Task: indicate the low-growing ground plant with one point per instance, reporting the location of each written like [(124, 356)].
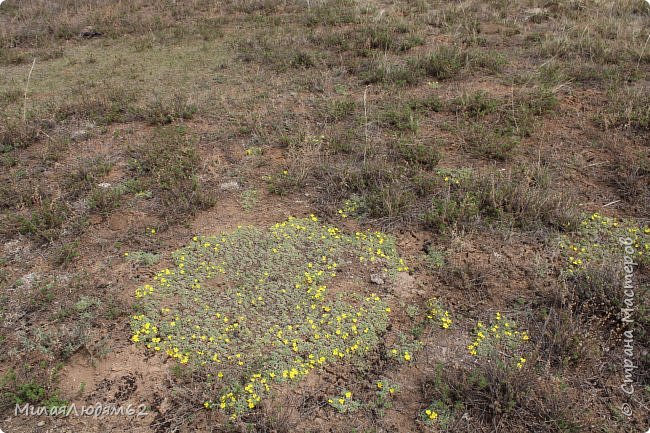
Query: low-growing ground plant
[(436, 414), (211, 311), (386, 391), (249, 198), (351, 207), (436, 313), (344, 403), (142, 257), (500, 341), (435, 259), (404, 349)]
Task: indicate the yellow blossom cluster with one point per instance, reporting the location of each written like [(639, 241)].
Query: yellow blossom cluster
[(436, 313), (253, 307), (437, 414), (350, 207), (377, 250), (499, 337), (386, 390), (432, 415), (598, 237), (344, 402), (254, 151)]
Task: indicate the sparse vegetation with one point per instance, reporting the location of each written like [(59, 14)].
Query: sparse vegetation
[(498, 147)]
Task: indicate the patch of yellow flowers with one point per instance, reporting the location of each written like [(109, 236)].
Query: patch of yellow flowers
[(501, 337), (598, 238), (350, 207), (436, 313), (344, 403), (252, 308), (432, 415)]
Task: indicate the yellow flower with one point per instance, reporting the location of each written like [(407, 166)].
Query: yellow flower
[(348, 394)]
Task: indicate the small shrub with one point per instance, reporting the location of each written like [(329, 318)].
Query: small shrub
[(45, 221), (475, 105), (16, 134), (17, 389), (380, 71), (168, 164), (249, 198), (283, 182), (340, 109), (401, 118), (67, 253), (302, 59), (444, 63), (389, 36), (333, 13), (100, 103), (344, 140), (86, 175), (389, 201), (163, 111), (539, 102), (425, 155), (485, 60), (523, 197), (428, 103), (105, 200), (490, 143)]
